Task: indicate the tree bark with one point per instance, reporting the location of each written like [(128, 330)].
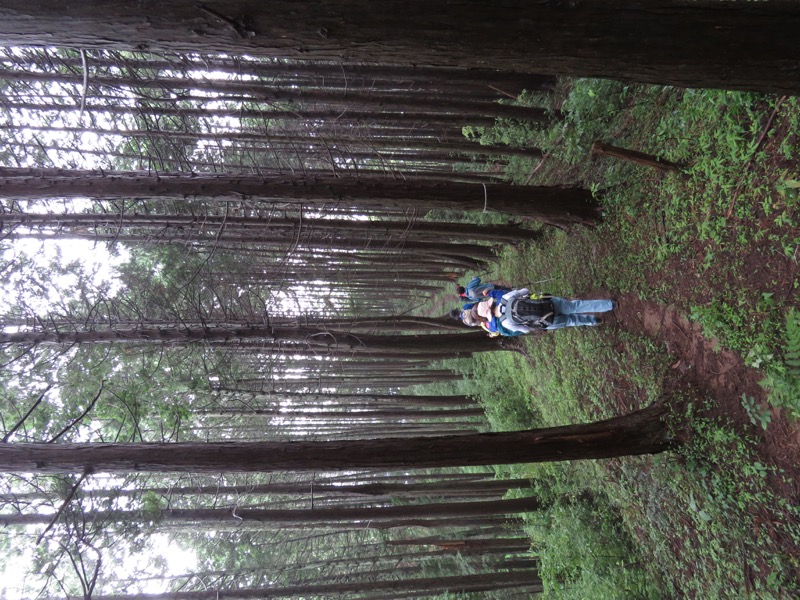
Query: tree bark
[(306, 488), (264, 91), (555, 204), (334, 342), (424, 515), (219, 225), (322, 73), (424, 587), (641, 432), (522, 544), (634, 156), (733, 45), (360, 139)]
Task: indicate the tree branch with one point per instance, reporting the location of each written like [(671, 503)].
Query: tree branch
[(27, 414), (82, 415), (63, 506)]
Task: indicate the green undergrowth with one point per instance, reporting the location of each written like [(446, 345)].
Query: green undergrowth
[(584, 553), (707, 520), (736, 205), (700, 522), (701, 239)]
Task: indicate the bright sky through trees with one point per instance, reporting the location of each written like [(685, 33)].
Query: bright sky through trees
[(325, 278), (62, 260)]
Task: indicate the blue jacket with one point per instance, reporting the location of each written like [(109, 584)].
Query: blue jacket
[(474, 289)]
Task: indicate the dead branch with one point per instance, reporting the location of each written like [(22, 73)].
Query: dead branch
[(27, 414), (759, 143), (639, 158), (63, 507), (82, 415)]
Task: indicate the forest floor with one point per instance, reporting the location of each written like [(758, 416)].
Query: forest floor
[(704, 266), (738, 475), (720, 374)]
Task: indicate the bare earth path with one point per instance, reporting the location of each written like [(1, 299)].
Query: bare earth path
[(721, 374)]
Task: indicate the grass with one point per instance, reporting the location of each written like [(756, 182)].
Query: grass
[(719, 241)]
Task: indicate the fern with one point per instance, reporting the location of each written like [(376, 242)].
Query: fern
[(792, 354), (783, 381)]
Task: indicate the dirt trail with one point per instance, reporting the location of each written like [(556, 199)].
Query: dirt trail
[(721, 374)]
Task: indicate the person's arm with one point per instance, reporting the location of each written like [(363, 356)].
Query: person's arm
[(495, 295), (515, 294), (514, 326)]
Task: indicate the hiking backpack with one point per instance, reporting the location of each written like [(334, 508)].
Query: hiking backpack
[(538, 312)]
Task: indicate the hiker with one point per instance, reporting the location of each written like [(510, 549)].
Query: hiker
[(468, 315), (520, 312), (476, 315), (475, 291), (464, 315), (484, 315)]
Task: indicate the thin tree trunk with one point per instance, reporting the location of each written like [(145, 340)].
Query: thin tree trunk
[(425, 515), (217, 225), (334, 342), (426, 587), (306, 488)]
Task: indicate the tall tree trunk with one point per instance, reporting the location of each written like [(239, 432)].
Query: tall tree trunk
[(425, 587), (555, 204), (449, 119), (408, 515), (218, 225), (641, 432), (335, 343), (376, 488), (402, 399), (345, 413), (323, 73), (733, 45)]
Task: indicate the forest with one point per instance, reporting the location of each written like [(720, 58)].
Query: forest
[(230, 240)]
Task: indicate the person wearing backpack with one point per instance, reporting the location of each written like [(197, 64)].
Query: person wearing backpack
[(472, 316), (475, 291), (521, 312)]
